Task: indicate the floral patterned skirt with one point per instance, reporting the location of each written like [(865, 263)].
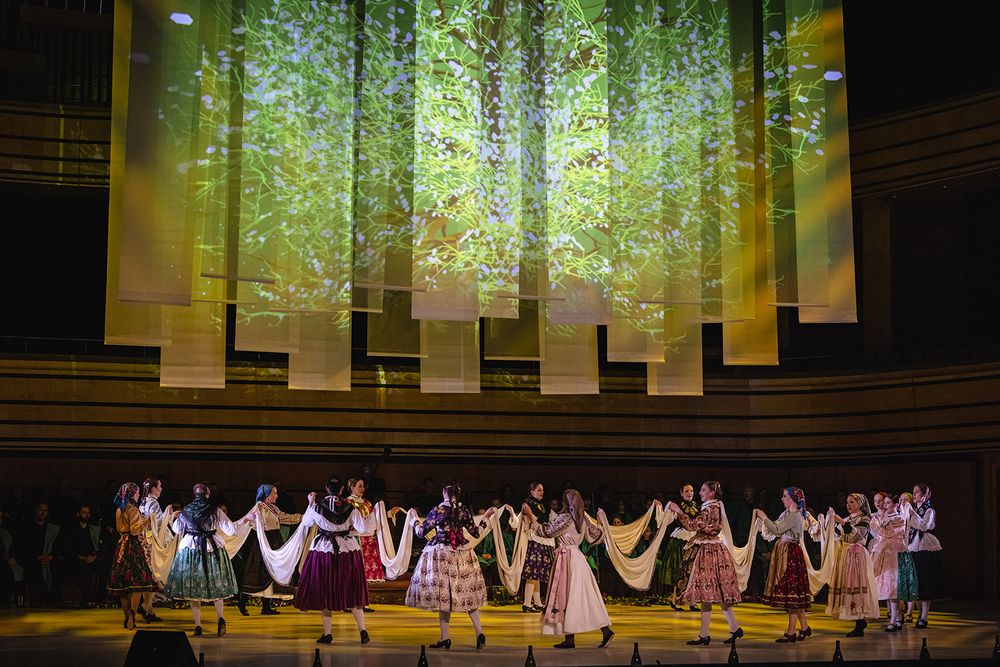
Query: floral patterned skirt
[(683, 575), (374, 571), (907, 587), (787, 584), (130, 572), (713, 576), (537, 563), (206, 576), (332, 583), (447, 579)]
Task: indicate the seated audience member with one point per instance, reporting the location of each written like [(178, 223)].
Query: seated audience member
[(86, 565), (35, 552)]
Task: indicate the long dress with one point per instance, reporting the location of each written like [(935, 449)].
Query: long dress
[(374, 570), (130, 571), (675, 568), (853, 592), (257, 580), (201, 569), (713, 572), (333, 576), (538, 559), (149, 507), (787, 585), (925, 549), (447, 576), (574, 602), (889, 542)]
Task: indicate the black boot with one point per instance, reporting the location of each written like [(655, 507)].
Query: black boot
[(266, 609), (859, 629), (241, 604)]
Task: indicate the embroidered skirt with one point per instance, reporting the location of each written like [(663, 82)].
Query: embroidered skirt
[(334, 584), (907, 587), (931, 580), (130, 571), (537, 562), (713, 576), (257, 579), (447, 579), (374, 572), (886, 567), (201, 576), (683, 575), (787, 584), (673, 556), (853, 596)]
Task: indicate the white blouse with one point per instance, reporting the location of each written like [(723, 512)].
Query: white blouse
[(220, 521), (355, 523), (921, 541)]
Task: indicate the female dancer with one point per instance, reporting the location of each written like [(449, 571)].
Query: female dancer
[(787, 584), (678, 557), (853, 593), (448, 577), (374, 571), (149, 507), (873, 535), (130, 575), (201, 571), (333, 576), (574, 603), (538, 560), (713, 572), (257, 580), (926, 550), (895, 577)]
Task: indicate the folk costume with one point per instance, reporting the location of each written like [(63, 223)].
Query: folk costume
[(787, 585), (537, 561), (853, 590), (924, 547), (257, 580), (679, 556), (130, 575), (333, 575), (574, 603), (374, 570)]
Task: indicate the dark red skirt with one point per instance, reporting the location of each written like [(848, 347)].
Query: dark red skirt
[(787, 584), (331, 584)]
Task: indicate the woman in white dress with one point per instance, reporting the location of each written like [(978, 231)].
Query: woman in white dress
[(853, 594), (574, 603), (149, 506)]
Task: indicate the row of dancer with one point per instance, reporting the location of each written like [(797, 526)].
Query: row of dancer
[(448, 577)]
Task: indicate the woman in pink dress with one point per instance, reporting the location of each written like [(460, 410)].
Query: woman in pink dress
[(713, 573)]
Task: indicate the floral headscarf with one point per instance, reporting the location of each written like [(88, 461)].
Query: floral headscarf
[(124, 496), (798, 497)]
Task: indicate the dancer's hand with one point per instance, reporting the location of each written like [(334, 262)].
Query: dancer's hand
[(839, 519), (312, 499), (672, 506), (490, 512), (658, 504), (395, 510), (527, 510)]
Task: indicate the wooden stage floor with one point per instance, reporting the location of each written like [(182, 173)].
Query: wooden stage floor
[(30, 637)]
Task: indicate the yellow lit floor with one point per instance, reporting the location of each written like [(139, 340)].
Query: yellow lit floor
[(95, 637)]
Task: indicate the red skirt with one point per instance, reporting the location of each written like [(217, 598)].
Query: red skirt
[(787, 584), (331, 584)]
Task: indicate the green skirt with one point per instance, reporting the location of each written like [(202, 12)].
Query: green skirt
[(194, 577), (673, 554), (906, 584)]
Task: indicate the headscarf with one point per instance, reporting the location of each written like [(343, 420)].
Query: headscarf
[(198, 511), (862, 502), (798, 497), (124, 496), (573, 503), (263, 491)]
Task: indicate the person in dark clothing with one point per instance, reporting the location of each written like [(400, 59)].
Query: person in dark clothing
[(374, 486), (35, 549), (62, 505), (284, 501), (7, 563), (81, 544)]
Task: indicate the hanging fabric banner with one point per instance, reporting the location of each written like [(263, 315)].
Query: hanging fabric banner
[(570, 364), (323, 360), (449, 357)]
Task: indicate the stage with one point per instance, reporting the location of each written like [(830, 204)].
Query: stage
[(96, 638)]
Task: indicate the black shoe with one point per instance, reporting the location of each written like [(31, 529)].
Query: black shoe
[(197, 631), (325, 639), (608, 636), (890, 628), (152, 618), (538, 610), (444, 643), (145, 616), (694, 607), (526, 609), (222, 627), (364, 637), (700, 641), (675, 607), (367, 610), (269, 611), (480, 641), (733, 636), (859, 629), (922, 623), (241, 604), (565, 644)]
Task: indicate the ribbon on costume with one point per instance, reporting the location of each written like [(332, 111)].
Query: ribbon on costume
[(555, 603)]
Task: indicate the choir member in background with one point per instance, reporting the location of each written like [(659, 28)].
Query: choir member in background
[(447, 577), (713, 572)]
